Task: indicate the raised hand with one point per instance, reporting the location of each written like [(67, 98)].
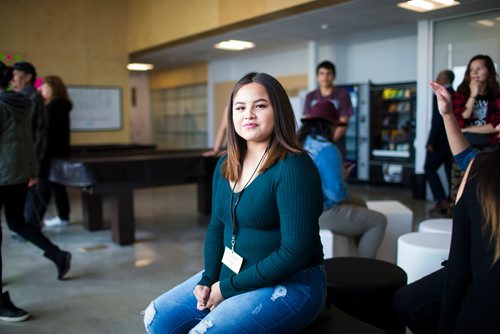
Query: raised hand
[(443, 98), (456, 139)]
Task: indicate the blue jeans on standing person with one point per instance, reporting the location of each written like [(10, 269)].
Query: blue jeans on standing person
[(283, 308)]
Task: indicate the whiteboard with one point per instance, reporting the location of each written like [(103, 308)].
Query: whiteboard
[(95, 108)]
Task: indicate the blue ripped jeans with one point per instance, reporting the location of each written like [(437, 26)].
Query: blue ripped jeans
[(284, 308)]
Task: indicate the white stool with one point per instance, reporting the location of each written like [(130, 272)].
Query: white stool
[(335, 245), (399, 222), (327, 241), (440, 225), (421, 253)]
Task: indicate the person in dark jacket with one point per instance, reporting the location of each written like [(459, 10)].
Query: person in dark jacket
[(18, 170), (438, 151), (23, 81), (57, 108)]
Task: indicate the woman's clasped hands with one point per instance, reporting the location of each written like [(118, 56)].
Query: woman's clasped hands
[(208, 298)]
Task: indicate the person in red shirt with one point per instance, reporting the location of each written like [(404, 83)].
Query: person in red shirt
[(339, 97), (476, 108), (476, 102)]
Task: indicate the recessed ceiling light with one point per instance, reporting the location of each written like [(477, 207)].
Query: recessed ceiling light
[(234, 45), (427, 5), (445, 2), (139, 67)]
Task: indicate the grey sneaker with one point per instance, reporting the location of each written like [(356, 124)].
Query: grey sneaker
[(9, 312)]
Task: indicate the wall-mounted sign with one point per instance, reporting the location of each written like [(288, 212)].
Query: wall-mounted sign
[(96, 108)]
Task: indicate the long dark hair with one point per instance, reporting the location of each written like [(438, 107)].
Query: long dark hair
[(283, 140), (315, 127), (492, 85), (488, 174), (59, 90)]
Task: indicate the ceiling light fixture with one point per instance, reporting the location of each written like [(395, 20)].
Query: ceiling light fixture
[(445, 2), (427, 5), (139, 67), (234, 45)]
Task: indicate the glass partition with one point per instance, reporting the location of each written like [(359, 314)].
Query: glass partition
[(457, 40), (180, 117)]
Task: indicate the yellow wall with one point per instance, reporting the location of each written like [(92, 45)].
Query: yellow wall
[(158, 22), (88, 42), (181, 76), (83, 41)]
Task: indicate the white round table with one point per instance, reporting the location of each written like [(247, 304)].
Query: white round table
[(421, 253), (440, 225)]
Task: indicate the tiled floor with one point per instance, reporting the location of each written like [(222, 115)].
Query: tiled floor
[(109, 285)]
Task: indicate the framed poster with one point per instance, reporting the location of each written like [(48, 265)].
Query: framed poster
[(95, 108)]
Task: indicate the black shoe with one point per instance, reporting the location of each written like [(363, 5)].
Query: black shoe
[(9, 312), (62, 260), (63, 264), (441, 209)]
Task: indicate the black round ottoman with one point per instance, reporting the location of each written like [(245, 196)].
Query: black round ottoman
[(332, 320), (364, 288)]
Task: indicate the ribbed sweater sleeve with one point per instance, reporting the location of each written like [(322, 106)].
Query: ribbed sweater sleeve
[(296, 188)]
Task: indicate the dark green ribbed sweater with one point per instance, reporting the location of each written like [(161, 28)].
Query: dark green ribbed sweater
[(278, 231)]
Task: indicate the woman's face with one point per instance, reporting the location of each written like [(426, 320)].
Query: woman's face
[(46, 91), (478, 71), (253, 115)]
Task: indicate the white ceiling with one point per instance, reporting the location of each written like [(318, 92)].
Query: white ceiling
[(342, 20)]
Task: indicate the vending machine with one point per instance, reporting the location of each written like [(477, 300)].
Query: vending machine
[(351, 135), (356, 137), (392, 127)]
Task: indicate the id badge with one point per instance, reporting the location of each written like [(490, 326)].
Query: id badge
[(232, 260)]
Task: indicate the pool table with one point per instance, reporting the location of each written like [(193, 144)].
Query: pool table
[(115, 175)]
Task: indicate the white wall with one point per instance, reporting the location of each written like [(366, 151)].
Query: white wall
[(279, 62), (391, 60), (382, 55)]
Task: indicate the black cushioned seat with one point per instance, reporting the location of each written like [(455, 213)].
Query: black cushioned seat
[(364, 288), (335, 321)]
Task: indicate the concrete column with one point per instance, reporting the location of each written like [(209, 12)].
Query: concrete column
[(312, 61), (424, 94)]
